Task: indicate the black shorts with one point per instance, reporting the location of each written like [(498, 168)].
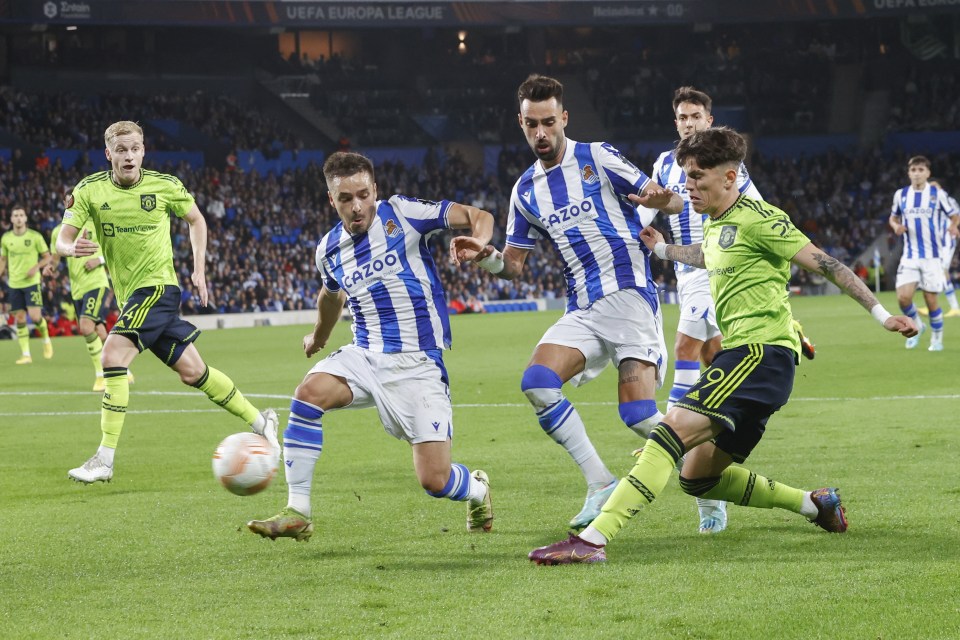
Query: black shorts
[(740, 391), (91, 305), (151, 320), (26, 297)]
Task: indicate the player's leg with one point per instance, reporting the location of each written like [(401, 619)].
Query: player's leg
[(36, 314), (442, 478), (936, 320), (908, 276), (950, 292), (23, 335), (686, 370), (90, 317), (318, 393)]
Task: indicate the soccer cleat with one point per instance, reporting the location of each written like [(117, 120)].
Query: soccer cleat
[(831, 515), (99, 384), (915, 340), (935, 346), (953, 313), (27, 359), (923, 311), (807, 348), (573, 550), (713, 515), (480, 514), (289, 523), (47, 349), (592, 506), (93, 470), (270, 425)]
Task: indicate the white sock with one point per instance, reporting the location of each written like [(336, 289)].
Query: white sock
[(572, 436), (259, 423), (683, 379), (106, 454), (298, 467), (593, 536), (807, 508)]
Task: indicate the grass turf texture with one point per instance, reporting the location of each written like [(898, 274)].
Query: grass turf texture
[(162, 551)]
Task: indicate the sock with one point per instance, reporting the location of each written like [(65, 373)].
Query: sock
[(458, 487), (302, 445), (113, 410), (643, 484), (106, 454), (221, 390), (745, 488), (685, 374), (23, 337), (951, 294), (911, 312), (44, 331), (641, 416), (936, 325), (94, 347), (560, 421)]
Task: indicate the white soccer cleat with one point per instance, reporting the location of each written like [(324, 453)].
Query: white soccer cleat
[(592, 506), (271, 425), (935, 346), (713, 515), (93, 470), (915, 340)]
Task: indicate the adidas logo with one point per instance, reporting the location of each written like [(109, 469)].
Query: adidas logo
[(694, 395), (105, 207)]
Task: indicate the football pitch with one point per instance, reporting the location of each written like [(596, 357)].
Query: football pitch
[(161, 552)]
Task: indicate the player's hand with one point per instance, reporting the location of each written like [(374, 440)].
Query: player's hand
[(32, 271), (954, 231), (84, 246), (899, 229), (653, 197), (49, 271), (200, 282), (311, 345), (468, 249), (91, 264), (902, 325), (651, 237)]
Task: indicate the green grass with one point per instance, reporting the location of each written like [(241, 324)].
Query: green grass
[(161, 551)]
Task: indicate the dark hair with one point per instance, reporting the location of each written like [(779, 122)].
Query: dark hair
[(537, 88), (693, 96), (343, 164), (18, 205), (712, 147), (918, 160)]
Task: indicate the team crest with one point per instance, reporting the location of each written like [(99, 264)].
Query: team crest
[(589, 175), (728, 235), (26, 242), (108, 230), (392, 229), (148, 202)]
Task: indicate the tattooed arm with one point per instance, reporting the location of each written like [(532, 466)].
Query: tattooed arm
[(815, 259), (687, 254)]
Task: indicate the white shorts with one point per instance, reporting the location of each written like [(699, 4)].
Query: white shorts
[(618, 326), (926, 273), (698, 315), (406, 388), (947, 257)]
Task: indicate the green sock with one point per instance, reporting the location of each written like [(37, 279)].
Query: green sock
[(747, 489), (641, 487), (42, 325), (94, 347), (221, 390), (116, 397), (23, 337)]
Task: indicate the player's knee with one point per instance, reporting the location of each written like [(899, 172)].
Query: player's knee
[(190, 373), (87, 327), (698, 486), (541, 385), (640, 415)]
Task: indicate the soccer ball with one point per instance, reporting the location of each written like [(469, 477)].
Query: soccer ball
[(244, 463)]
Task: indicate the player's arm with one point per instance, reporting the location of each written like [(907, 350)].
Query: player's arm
[(657, 197), (506, 264), (480, 222), (3, 265), (72, 244), (895, 223), (329, 308), (952, 229), (198, 241), (812, 258), (691, 254), (45, 260)]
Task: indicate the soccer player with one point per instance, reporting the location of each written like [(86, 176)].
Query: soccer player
[(576, 195), (377, 260), (922, 214), (946, 258), (747, 247), (88, 288), (130, 208), (23, 254)]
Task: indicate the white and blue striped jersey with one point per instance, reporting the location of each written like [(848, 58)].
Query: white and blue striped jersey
[(687, 226), (949, 242), (391, 281), (924, 213), (581, 206)]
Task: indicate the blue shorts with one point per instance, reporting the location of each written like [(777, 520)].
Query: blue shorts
[(740, 391), (151, 320), (91, 306), (26, 297)]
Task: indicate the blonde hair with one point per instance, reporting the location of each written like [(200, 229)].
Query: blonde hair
[(122, 128)]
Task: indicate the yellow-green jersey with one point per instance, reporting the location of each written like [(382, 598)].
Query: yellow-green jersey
[(747, 252), (22, 252), (82, 280), (132, 226)]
